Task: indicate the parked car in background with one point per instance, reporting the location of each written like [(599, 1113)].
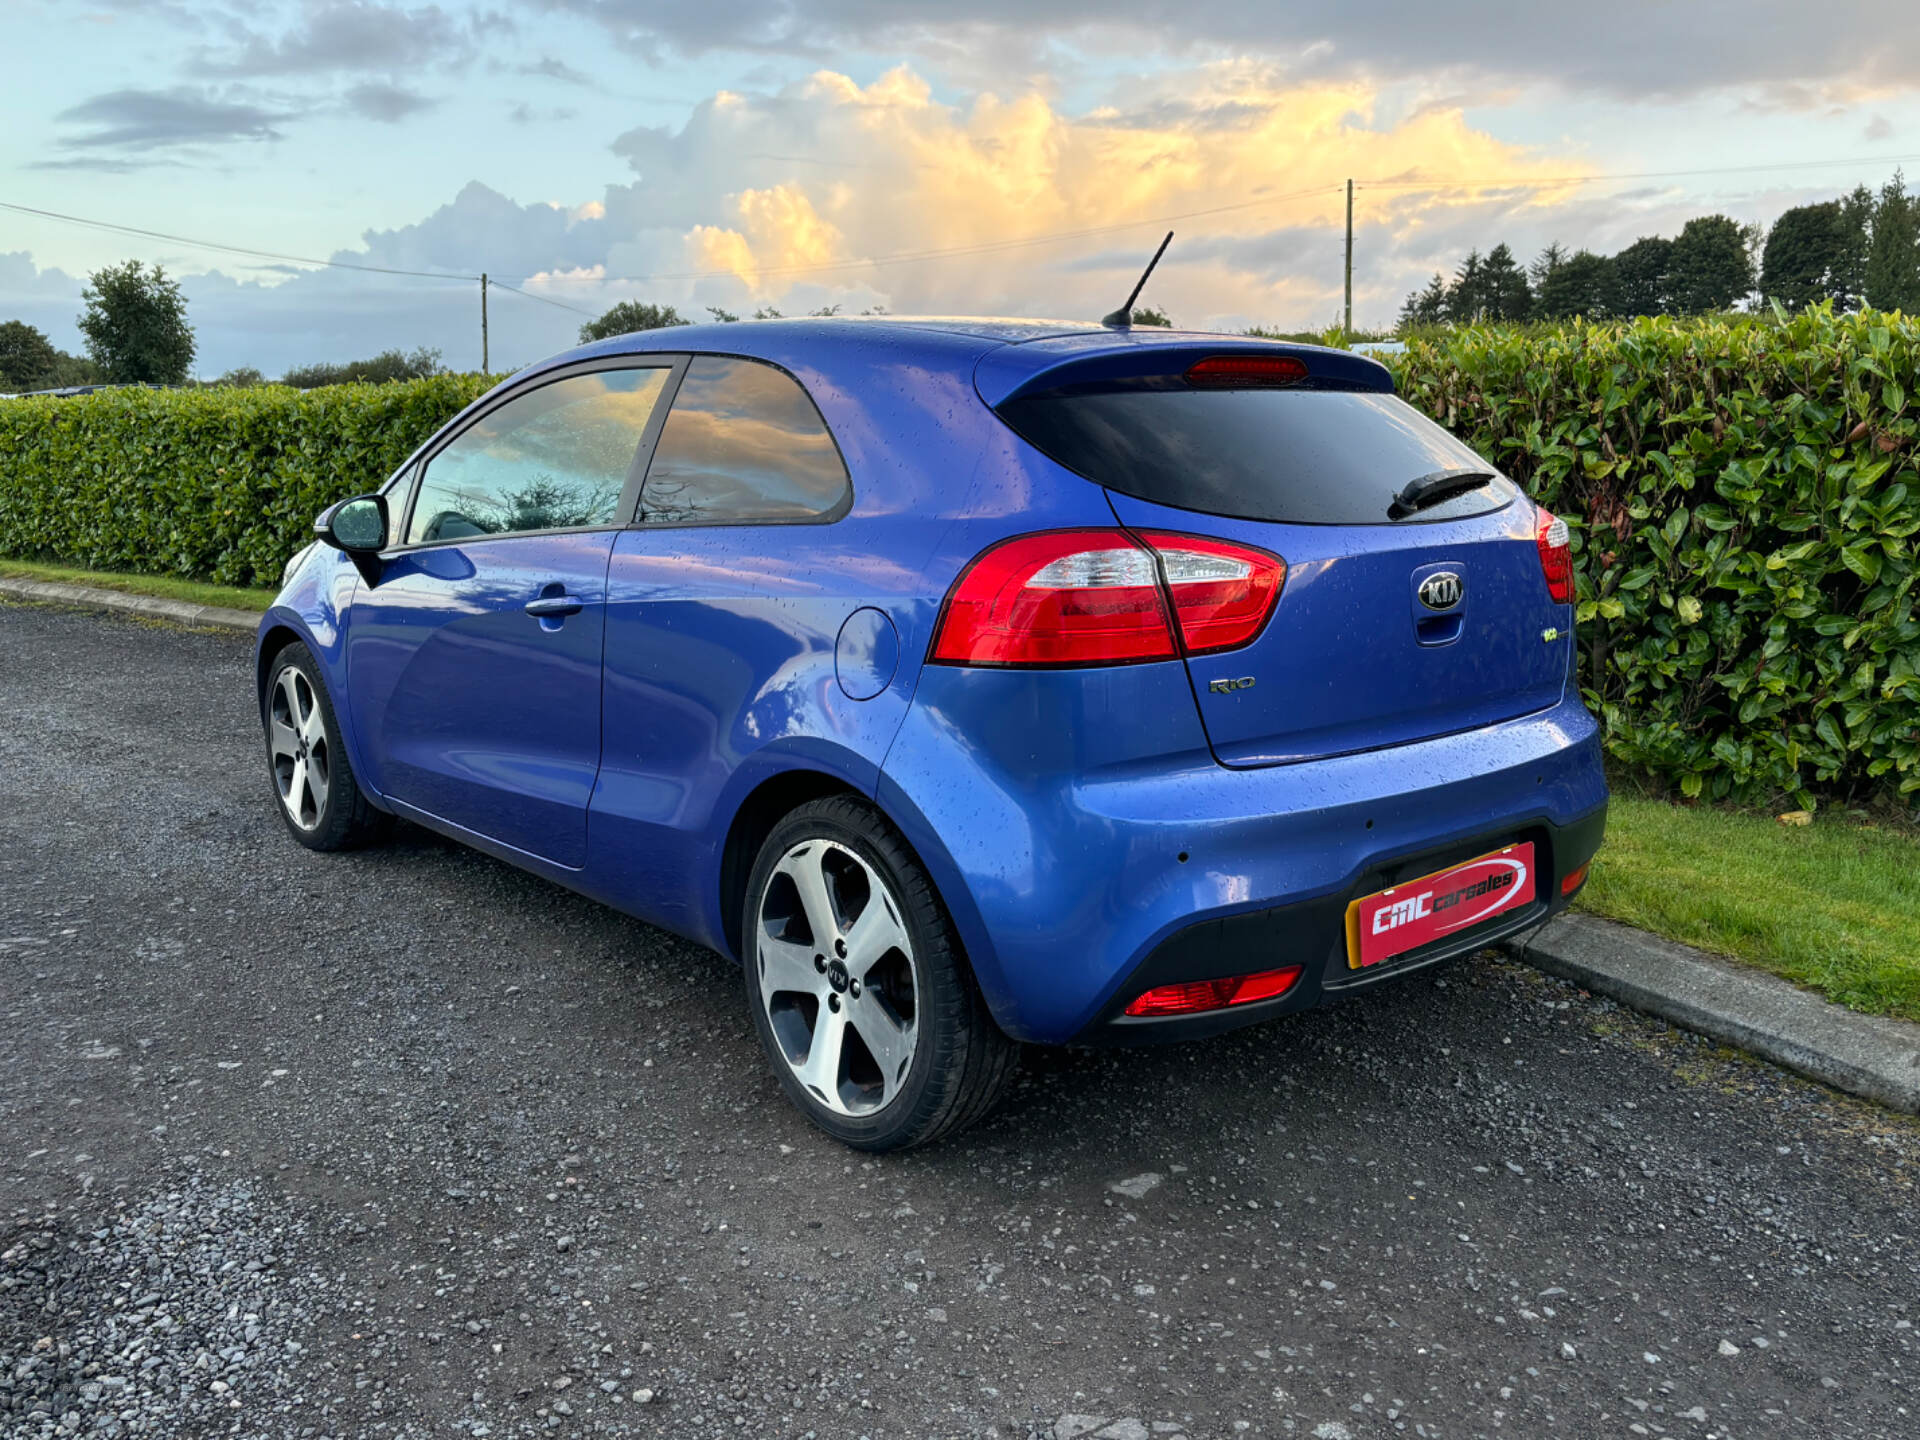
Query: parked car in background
[(970, 683)]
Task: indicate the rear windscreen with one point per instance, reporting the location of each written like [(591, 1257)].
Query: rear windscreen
[(1307, 457)]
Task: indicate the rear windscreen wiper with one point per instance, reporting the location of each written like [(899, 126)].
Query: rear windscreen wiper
[(1419, 493)]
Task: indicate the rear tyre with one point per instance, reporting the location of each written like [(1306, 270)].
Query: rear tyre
[(313, 782), (859, 987)]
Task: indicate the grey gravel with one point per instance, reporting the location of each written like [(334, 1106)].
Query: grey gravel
[(407, 1075), (174, 1312)]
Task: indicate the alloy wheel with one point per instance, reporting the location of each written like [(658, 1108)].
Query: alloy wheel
[(836, 976), (301, 750)]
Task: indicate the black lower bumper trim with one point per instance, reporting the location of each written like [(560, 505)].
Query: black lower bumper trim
[(1312, 934)]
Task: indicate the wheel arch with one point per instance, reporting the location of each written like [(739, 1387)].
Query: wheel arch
[(764, 807), (778, 796), (285, 625), (275, 638)]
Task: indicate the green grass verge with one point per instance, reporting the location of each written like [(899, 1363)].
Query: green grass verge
[(1833, 906), (192, 592)]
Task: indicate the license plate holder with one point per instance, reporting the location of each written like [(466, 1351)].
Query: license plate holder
[(1404, 917)]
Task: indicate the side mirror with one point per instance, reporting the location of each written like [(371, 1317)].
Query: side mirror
[(357, 526)]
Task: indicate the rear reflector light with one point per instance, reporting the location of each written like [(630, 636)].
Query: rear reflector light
[(1573, 880), (1556, 556), (1239, 371), (1197, 995), (1095, 597)]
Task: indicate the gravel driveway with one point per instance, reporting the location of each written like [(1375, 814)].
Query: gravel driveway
[(410, 1143)]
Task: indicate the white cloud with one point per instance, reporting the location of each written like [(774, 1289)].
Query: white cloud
[(833, 192)]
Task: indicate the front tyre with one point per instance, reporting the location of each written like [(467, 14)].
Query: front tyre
[(858, 985), (313, 781)]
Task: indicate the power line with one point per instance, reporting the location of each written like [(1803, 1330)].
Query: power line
[(231, 249), (898, 258), (543, 299), (996, 246), (960, 251)]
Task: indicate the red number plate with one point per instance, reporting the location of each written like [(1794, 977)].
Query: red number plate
[(1392, 922)]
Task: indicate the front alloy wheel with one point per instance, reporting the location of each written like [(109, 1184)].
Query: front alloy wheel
[(859, 987), (322, 803), (301, 748)]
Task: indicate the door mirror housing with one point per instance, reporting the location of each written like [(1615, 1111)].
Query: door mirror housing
[(358, 529), (357, 526)]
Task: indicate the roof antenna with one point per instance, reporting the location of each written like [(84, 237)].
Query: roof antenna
[(1122, 319)]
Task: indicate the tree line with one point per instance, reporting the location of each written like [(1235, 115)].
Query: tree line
[(135, 326), (136, 332), (1861, 250)]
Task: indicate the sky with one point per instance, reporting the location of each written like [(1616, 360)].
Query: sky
[(1002, 157)]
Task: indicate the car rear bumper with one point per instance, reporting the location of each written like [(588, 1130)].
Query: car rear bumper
[(1084, 863), (1312, 934)]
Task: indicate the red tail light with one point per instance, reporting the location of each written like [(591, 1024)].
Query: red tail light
[(1222, 593), (1068, 597), (1573, 880), (1556, 556), (1197, 995), (1095, 597)]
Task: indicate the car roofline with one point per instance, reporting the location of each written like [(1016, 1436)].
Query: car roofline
[(1010, 354)]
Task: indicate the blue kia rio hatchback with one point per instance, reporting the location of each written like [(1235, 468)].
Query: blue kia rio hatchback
[(970, 683)]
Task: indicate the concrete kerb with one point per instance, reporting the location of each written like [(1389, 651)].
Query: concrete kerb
[(1877, 1059), (152, 607)]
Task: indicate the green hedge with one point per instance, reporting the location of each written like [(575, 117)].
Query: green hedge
[(1742, 495), (1743, 501), (217, 484)]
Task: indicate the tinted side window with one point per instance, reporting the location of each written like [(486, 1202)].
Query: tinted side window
[(1315, 457), (742, 442), (553, 458)]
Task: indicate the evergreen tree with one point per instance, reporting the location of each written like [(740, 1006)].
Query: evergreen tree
[(1712, 266), (1545, 263), (1578, 285), (1892, 277), (1504, 285), (1856, 226), (1805, 259), (1642, 280), (1466, 296), (1425, 307)]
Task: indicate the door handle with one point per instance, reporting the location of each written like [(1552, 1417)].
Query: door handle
[(553, 606)]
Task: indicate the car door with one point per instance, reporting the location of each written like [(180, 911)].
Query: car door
[(474, 658), (726, 604)]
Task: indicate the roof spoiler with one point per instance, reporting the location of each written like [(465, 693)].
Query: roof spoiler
[(1117, 357)]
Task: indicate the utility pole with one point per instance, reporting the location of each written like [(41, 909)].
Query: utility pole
[(1346, 329), (483, 285)]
